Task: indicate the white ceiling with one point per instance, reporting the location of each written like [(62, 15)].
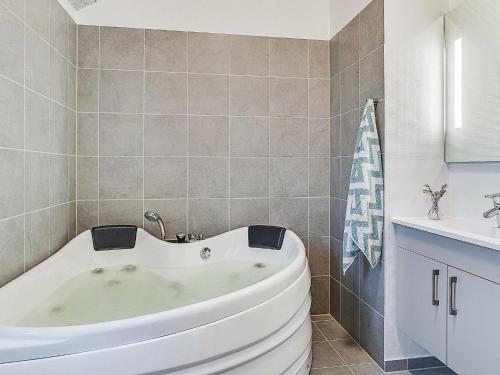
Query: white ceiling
[(79, 4)]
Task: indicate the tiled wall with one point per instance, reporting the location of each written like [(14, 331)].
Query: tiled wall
[(37, 133), (212, 131), (357, 73)]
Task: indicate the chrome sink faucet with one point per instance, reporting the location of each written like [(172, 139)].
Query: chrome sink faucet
[(495, 211)]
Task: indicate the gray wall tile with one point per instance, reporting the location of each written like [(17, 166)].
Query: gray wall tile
[(87, 175), (319, 98), (58, 191), (72, 87), (345, 175), (349, 44), (59, 129), (208, 177), (121, 91), (37, 72), (320, 291), (87, 92), (289, 57), (335, 219), (58, 227), (12, 183), (335, 142), (208, 216), (335, 258), (12, 46), (37, 122), (334, 55), (319, 58), (166, 93), (37, 238), (16, 6), (289, 177), (335, 293), (335, 95), (371, 76), (88, 46), (349, 313), (166, 51), (120, 135), (120, 178), (59, 28), (288, 97), (319, 177), (121, 212), (372, 333), (87, 134), (349, 125), (38, 16), (319, 137), (290, 213), (11, 249), (122, 48), (349, 87), (73, 42), (371, 27), (165, 178), (319, 255), (249, 55), (244, 212), (372, 285), (208, 53), (165, 135), (59, 74), (249, 96), (208, 94), (208, 136), (37, 181), (249, 177), (87, 218), (319, 216), (12, 110), (288, 137), (249, 136)]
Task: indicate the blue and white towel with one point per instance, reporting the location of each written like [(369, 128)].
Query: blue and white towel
[(364, 219)]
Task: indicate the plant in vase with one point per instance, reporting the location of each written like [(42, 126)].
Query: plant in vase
[(434, 212)]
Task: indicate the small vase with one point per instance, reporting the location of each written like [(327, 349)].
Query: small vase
[(434, 212)]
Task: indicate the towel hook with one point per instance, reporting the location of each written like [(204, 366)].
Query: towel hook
[(375, 101)]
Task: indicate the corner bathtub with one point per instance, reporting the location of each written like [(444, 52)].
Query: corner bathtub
[(241, 311)]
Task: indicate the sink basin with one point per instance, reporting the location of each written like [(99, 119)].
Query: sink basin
[(480, 233)]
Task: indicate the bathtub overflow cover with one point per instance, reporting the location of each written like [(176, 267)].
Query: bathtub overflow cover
[(205, 253)]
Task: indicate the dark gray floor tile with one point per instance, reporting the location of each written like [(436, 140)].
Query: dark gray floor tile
[(325, 356), (369, 369), (344, 370), (332, 330), (351, 352)]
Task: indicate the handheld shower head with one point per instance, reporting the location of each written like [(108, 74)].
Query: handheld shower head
[(154, 217)]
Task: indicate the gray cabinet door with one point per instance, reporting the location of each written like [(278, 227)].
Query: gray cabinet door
[(422, 302), (474, 332)]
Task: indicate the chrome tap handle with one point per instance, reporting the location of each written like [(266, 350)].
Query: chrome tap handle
[(494, 197), (181, 237), (190, 237)]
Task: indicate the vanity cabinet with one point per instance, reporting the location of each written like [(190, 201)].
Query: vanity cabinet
[(448, 300), (422, 301), (474, 331)]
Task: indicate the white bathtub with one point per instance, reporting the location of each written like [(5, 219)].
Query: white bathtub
[(262, 328)]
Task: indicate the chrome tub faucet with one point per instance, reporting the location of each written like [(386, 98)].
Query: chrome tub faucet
[(495, 211), (154, 217)]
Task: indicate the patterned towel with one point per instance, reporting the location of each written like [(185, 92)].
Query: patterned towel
[(364, 219)]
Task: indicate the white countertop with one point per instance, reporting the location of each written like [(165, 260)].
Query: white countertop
[(474, 232)]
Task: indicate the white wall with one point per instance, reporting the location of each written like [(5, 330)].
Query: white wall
[(414, 132), (280, 18), (343, 11)]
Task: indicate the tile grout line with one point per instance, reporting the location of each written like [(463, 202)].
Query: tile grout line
[(143, 127), (187, 134), (99, 128)]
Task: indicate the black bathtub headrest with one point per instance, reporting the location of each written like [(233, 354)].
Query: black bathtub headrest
[(266, 236), (114, 237)]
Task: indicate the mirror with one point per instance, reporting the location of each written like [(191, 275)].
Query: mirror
[(472, 35)]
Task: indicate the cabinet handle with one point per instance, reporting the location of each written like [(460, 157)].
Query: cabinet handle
[(453, 296), (435, 277)]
